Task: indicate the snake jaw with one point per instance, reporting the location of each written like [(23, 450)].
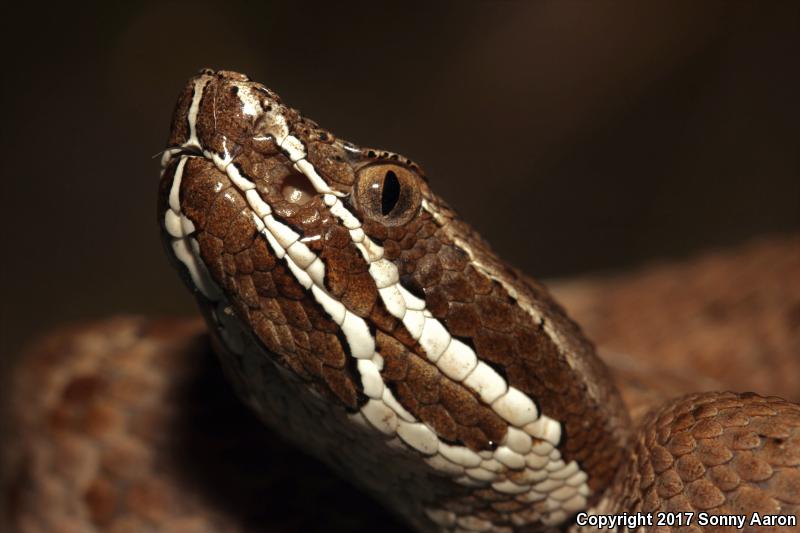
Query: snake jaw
[(347, 294)]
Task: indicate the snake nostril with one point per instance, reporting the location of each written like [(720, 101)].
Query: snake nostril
[(296, 188)]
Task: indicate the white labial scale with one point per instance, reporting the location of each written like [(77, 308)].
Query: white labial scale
[(574, 504), (460, 455), (481, 474), (577, 479), (508, 487), (516, 407), (545, 428), (457, 361), (434, 339), (384, 273), (492, 465), (371, 380), (316, 270), (486, 382), (414, 321), (418, 436), (300, 275), (393, 301), (563, 493), (536, 462), (380, 416), (509, 457), (542, 448), (359, 338), (547, 486), (442, 465), (518, 440)]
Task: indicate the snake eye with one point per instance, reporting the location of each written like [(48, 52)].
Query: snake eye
[(388, 193)]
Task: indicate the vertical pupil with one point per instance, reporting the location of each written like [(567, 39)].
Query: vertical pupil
[(390, 193)]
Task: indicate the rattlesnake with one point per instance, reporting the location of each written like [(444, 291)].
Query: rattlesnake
[(363, 321)]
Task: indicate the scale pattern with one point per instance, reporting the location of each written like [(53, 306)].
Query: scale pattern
[(719, 453)]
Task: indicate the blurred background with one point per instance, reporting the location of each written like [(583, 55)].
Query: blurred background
[(576, 136)]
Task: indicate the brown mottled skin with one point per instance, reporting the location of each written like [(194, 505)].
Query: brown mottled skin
[(675, 459)]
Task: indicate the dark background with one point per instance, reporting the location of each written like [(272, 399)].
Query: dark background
[(576, 136)]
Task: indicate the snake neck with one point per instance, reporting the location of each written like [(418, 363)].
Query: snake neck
[(352, 305)]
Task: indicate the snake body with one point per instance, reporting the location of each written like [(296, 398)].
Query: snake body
[(361, 319)]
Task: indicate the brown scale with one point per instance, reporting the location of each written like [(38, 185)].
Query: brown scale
[(721, 453)]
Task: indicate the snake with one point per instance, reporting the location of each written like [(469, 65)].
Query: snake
[(351, 304), (362, 320)]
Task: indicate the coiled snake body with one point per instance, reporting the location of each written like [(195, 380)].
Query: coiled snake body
[(363, 320)]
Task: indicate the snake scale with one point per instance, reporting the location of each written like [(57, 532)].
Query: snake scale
[(366, 323)]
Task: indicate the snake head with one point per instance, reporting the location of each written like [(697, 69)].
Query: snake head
[(348, 297)]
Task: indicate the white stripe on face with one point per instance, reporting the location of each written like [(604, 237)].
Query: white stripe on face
[(545, 475)]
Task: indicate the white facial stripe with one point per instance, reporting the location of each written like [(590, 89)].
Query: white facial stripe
[(545, 475)]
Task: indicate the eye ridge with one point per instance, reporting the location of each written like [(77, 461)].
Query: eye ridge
[(390, 192)]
